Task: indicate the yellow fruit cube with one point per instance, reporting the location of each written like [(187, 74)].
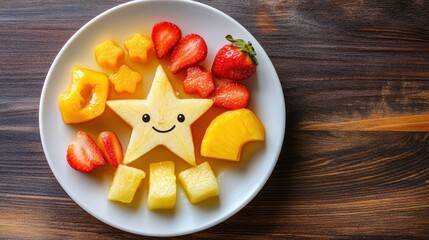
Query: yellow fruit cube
[(162, 186), (199, 183), (138, 47), (125, 183), (125, 80), (109, 55), (229, 132)]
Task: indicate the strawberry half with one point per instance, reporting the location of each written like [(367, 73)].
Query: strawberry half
[(232, 95), (236, 61), (83, 154), (191, 50), (199, 81), (165, 35), (111, 148)]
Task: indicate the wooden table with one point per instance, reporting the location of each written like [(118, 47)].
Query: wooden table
[(355, 162)]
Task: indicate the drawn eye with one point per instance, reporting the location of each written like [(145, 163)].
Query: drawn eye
[(180, 118), (146, 118)]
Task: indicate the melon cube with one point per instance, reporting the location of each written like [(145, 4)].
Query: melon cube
[(125, 183), (199, 183), (162, 186)]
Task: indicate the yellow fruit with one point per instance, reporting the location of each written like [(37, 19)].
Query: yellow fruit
[(228, 132), (125, 80), (125, 183), (161, 119), (199, 183), (109, 55), (138, 47), (162, 186), (86, 97)]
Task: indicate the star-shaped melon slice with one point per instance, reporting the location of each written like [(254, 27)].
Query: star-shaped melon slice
[(161, 119)]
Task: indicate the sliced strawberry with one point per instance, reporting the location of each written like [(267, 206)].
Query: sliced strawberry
[(191, 50), (111, 148), (165, 35), (198, 80), (195, 70), (83, 154), (231, 95)]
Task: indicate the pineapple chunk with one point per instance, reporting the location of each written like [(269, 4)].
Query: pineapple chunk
[(125, 183), (229, 132), (162, 186), (199, 183)]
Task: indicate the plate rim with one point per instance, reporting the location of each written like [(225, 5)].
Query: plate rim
[(213, 221)]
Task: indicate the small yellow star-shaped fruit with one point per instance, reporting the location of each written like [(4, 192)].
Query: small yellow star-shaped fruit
[(109, 55), (138, 47), (125, 80), (161, 119)]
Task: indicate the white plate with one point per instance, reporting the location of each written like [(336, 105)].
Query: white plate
[(238, 185)]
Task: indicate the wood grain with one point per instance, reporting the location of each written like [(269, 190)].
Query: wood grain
[(342, 64), (412, 123)]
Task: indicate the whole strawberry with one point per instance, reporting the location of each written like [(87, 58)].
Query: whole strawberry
[(235, 61)]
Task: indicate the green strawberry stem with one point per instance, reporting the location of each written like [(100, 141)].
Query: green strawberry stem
[(244, 47)]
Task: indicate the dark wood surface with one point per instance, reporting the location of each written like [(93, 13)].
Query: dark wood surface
[(355, 162)]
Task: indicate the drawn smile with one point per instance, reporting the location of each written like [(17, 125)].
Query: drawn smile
[(164, 131)]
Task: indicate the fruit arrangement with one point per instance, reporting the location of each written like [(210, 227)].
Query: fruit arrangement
[(163, 118)]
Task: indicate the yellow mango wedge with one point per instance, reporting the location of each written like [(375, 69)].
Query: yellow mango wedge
[(229, 132)]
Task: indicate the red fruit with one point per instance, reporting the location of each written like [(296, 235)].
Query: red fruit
[(236, 61), (165, 35), (191, 50), (231, 96), (111, 148), (198, 80), (83, 154)]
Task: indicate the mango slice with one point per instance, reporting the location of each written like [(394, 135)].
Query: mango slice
[(229, 132), (86, 97)]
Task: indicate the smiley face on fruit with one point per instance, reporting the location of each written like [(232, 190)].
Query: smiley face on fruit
[(161, 119), (146, 119)]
